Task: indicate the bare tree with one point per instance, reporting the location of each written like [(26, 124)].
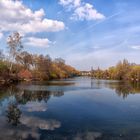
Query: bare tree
[(25, 59), (14, 46)]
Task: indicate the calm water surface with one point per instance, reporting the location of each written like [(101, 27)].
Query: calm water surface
[(72, 109)]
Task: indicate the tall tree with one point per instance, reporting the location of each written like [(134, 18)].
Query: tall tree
[(15, 46), (25, 59)]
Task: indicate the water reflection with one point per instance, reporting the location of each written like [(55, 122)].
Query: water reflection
[(26, 96), (34, 106), (35, 123), (87, 136), (79, 113), (28, 129), (16, 120), (13, 114), (122, 89)]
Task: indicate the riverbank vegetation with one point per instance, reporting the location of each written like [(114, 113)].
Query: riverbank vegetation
[(22, 65), (124, 70)]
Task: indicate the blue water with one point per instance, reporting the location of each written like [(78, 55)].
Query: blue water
[(71, 109)]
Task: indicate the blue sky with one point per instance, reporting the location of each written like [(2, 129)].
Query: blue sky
[(84, 32)]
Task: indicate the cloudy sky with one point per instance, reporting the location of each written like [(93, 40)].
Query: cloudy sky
[(84, 32)]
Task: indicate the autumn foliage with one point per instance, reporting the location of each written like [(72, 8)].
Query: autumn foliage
[(22, 65), (122, 71)]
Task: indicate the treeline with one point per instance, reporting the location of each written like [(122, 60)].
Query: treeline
[(122, 71), (22, 65)]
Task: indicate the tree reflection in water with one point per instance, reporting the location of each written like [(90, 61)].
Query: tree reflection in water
[(13, 114), (26, 96), (23, 97), (121, 88), (22, 125), (124, 89), (28, 107)]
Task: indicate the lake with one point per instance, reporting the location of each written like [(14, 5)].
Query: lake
[(72, 109)]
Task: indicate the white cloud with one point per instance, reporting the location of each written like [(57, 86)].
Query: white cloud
[(102, 58), (82, 10), (35, 106), (136, 47), (13, 133), (14, 16), (37, 42), (65, 2), (1, 35), (34, 122), (28, 128), (87, 136), (71, 3), (77, 2), (87, 12)]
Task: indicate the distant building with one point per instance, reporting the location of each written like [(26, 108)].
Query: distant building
[(85, 73)]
